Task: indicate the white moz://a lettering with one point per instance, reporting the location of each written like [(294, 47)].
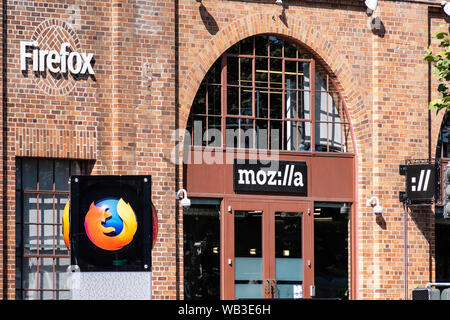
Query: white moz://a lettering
[(57, 62), (288, 177)]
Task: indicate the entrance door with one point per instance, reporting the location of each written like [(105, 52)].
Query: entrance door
[(267, 250)]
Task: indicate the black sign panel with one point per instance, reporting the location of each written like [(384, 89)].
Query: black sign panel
[(420, 182), (111, 223), (276, 176)]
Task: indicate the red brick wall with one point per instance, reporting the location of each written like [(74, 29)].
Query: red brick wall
[(125, 121)]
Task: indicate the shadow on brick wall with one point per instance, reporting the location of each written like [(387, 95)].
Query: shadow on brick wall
[(423, 217), (208, 20)]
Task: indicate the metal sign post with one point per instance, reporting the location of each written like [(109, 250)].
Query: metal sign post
[(423, 187)]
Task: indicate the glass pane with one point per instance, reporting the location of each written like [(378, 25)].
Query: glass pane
[(232, 132), (335, 137), (29, 176), (262, 133), (233, 100), (214, 100), (61, 278), (246, 102), (201, 231), (276, 47), (275, 135), (232, 70), (261, 103), (321, 106), (304, 78), (331, 236), (199, 131), (261, 45), (304, 136), (214, 73), (46, 275), (247, 133), (288, 253), (30, 232), (29, 275), (247, 46), (233, 49), (334, 107), (45, 174), (291, 104), (214, 131), (321, 80), (246, 71), (261, 72), (62, 175), (276, 103), (30, 207), (304, 110), (290, 51), (290, 74), (248, 254), (46, 208), (199, 104), (321, 136), (45, 239), (276, 73)]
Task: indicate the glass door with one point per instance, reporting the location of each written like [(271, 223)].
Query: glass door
[(291, 261), (267, 250)]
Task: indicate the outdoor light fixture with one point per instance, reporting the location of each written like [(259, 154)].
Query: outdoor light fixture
[(446, 6), (185, 202), (377, 209), (371, 4)]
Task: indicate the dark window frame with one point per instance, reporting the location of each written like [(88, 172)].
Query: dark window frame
[(40, 253)]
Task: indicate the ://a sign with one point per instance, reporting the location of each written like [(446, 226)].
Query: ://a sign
[(275, 177), (420, 182)]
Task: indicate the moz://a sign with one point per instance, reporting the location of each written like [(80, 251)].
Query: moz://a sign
[(420, 182), (61, 61), (277, 176)]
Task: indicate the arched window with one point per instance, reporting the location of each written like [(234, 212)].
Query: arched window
[(267, 93)]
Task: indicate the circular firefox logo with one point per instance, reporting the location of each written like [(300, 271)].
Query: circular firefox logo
[(110, 224)]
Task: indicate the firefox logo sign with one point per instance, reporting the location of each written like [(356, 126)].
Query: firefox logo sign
[(110, 224)]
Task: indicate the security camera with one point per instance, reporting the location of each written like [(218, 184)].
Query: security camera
[(374, 202), (378, 210), (185, 202)]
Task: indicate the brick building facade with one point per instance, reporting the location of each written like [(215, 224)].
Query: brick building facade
[(150, 59)]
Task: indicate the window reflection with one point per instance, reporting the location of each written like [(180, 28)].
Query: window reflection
[(331, 250), (201, 230)]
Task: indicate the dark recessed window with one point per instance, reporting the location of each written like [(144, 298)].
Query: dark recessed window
[(42, 191)]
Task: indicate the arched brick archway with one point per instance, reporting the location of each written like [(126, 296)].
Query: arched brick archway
[(298, 31), (323, 50)]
